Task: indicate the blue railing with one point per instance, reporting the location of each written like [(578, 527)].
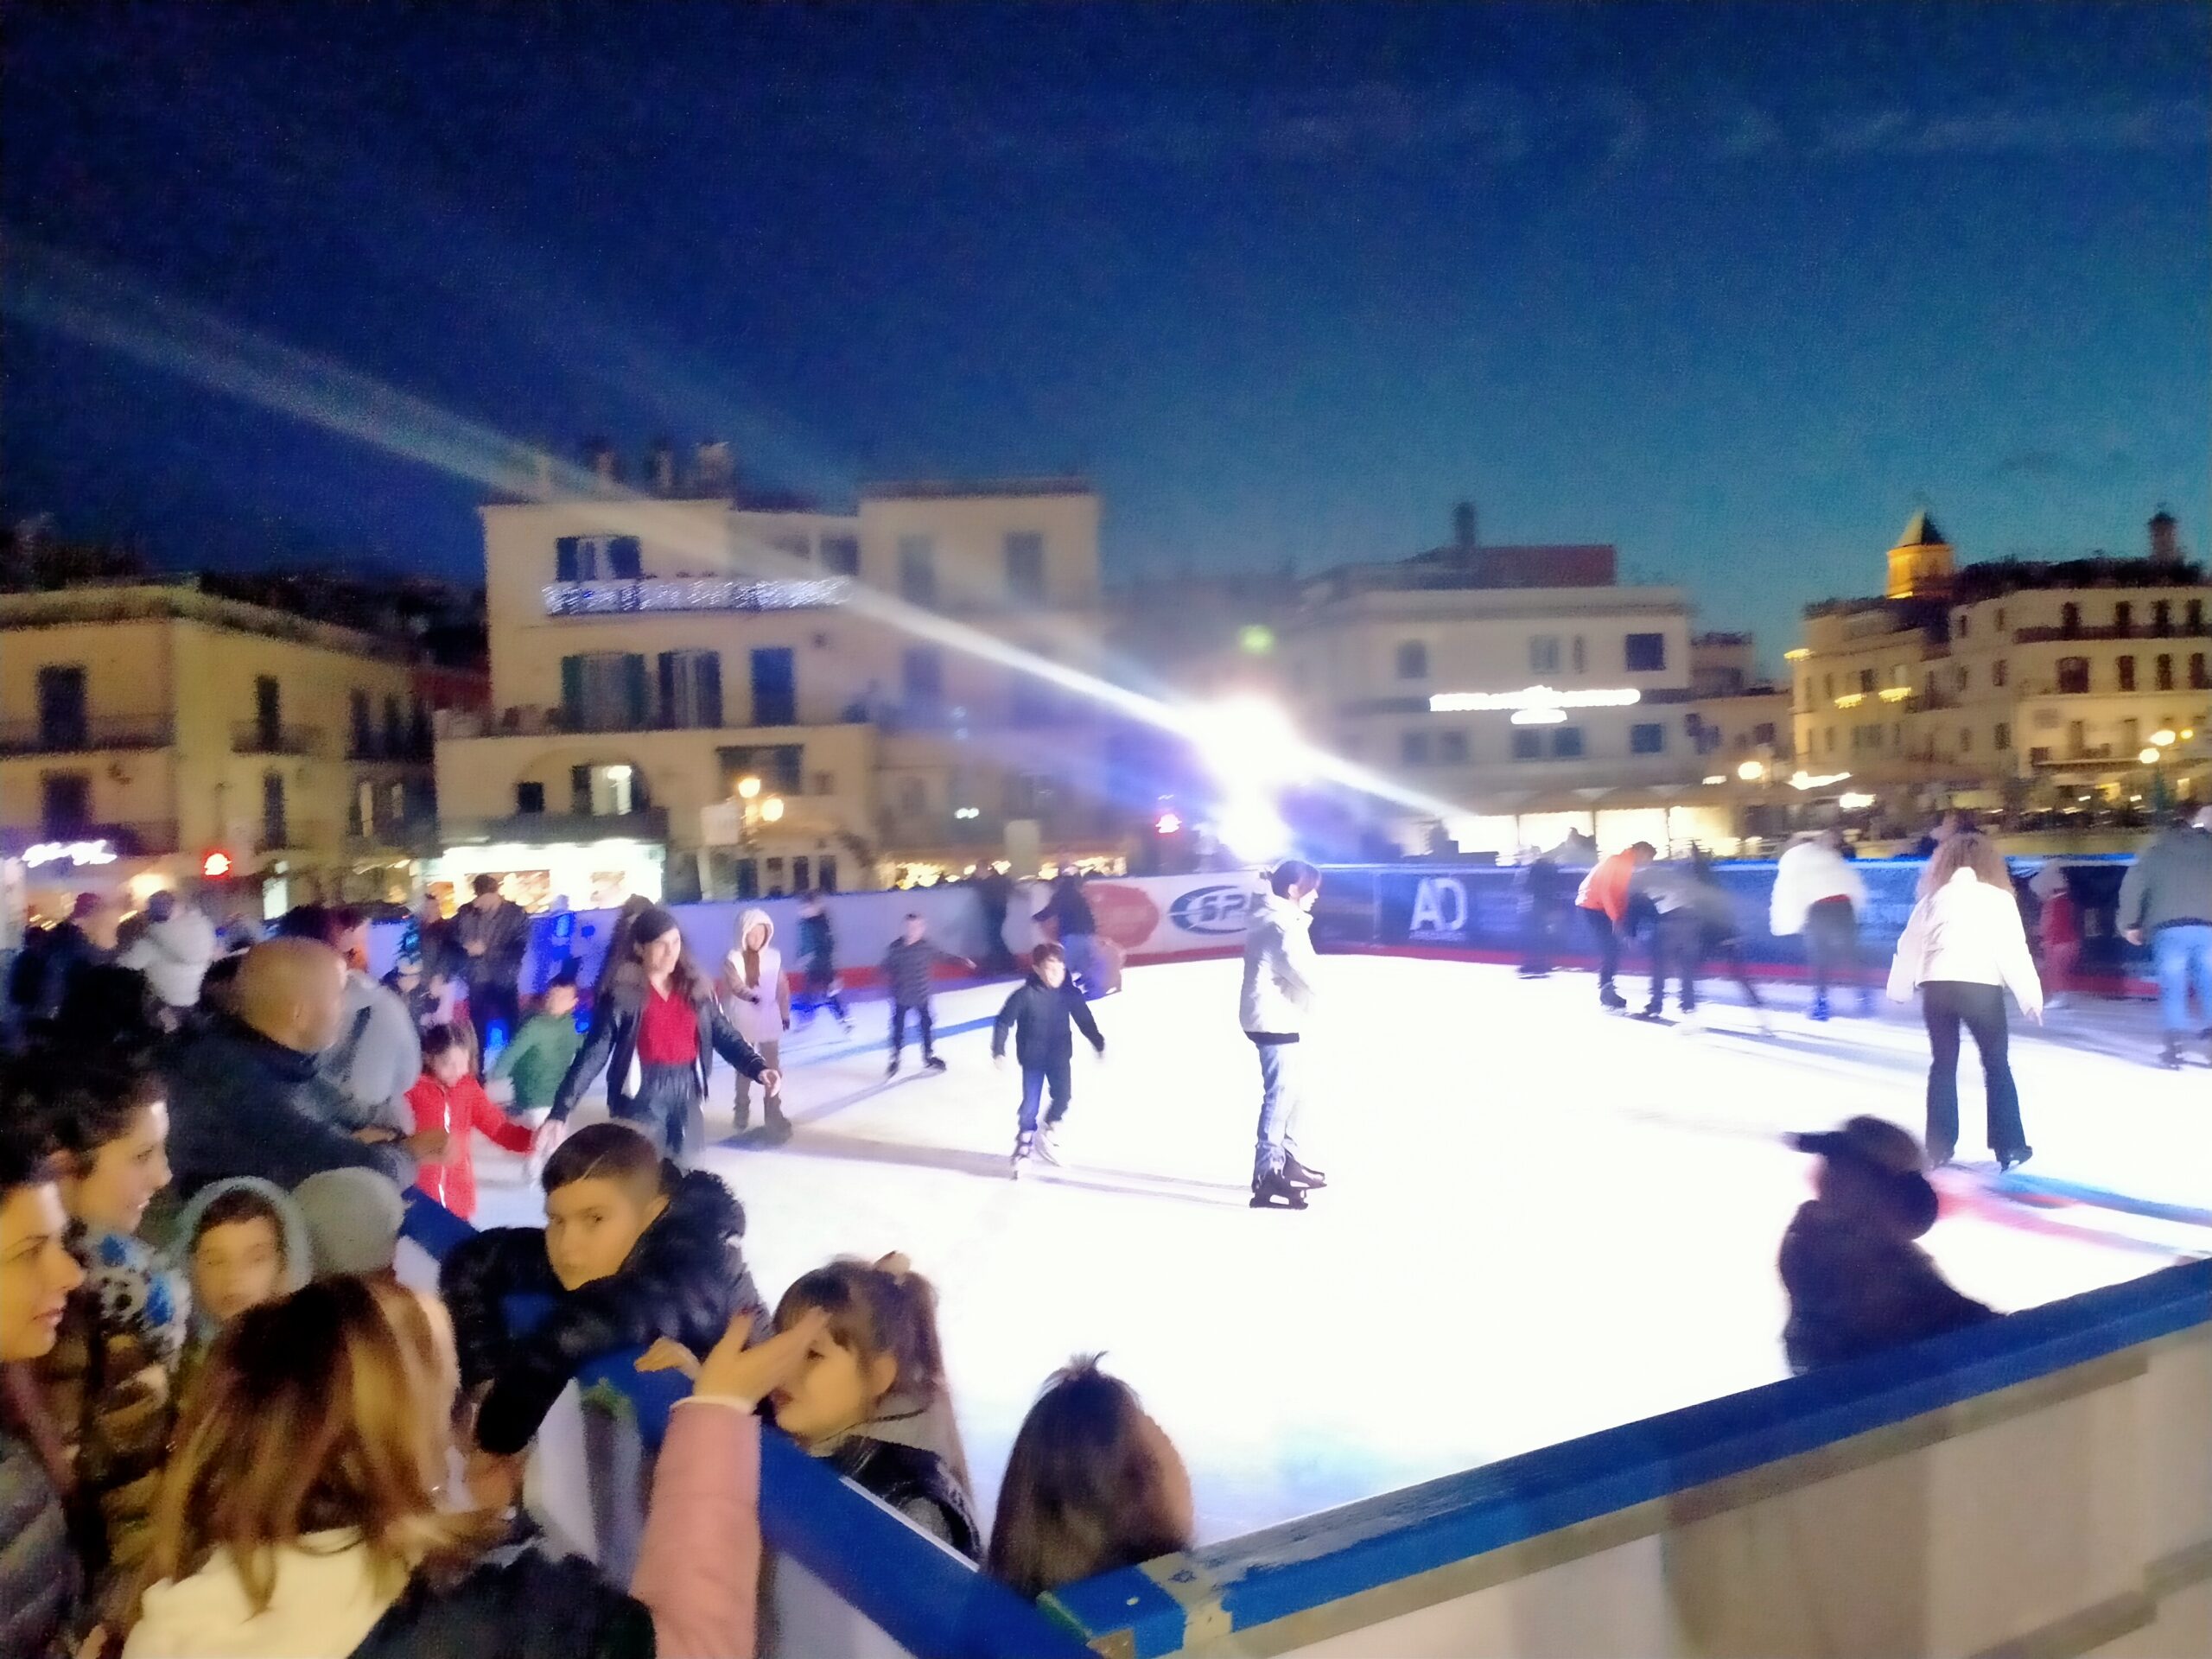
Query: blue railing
[(921, 1595)]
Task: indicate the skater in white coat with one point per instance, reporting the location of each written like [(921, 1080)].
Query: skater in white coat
[(759, 1003), (1277, 996)]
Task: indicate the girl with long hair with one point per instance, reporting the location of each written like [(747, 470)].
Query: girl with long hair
[(1963, 948)]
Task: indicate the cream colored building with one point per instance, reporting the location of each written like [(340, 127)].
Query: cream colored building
[(2010, 684), (655, 657), (146, 729)]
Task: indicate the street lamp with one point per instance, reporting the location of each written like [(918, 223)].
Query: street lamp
[(2151, 757), (772, 810), (1752, 772), (749, 788)]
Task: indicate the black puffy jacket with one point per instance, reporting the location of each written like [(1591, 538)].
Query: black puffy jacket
[(684, 1279), (516, 1603)]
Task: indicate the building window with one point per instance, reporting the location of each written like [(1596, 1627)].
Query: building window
[(274, 832), (1966, 740), (2162, 617), (614, 791), (1966, 620), (921, 675), (1865, 682), (2074, 674), (1827, 686), (2000, 737), (604, 691), (1452, 748), (1543, 654), (1647, 737), (1566, 741), (1413, 660), (2164, 673), (775, 686), (2193, 616), (822, 783), (840, 554), (2069, 620), (1581, 656), (61, 708), (1998, 672), (2131, 736), (1528, 743), (65, 804), (1831, 743), (2198, 679), (1025, 565), (781, 767), (586, 558), (1647, 653), (395, 727), (1413, 748), (1965, 677), (691, 690), (1762, 733), (2126, 673), (917, 570), (2078, 739), (2123, 617), (530, 799)]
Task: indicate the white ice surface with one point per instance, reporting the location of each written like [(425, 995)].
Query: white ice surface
[(1544, 1220)]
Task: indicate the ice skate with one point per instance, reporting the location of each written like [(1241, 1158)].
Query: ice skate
[(1766, 1021), (933, 1063), (1819, 1010), (1024, 1146), (1298, 1174), (1691, 1023), (2009, 1162), (2170, 1055), (892, 1070), (1653, 1011), (1610, 998), (775, 1127), (1047, 1146), (1273, 1191)]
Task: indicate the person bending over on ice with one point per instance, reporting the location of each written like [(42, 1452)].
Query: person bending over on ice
[(655, 1031), (632, 1249), (1858, 1284), (1042, 1014)]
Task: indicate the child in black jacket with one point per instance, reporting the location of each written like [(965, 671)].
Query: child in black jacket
[(1040, 1013), (633, 1250)]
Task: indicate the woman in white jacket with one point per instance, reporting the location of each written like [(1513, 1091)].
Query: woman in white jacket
[(759, 1003), (1964, 948)]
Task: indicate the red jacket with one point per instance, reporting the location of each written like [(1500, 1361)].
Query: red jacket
[(1606, 885), (460, 1112)]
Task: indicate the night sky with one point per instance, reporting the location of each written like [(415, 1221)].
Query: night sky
[(1736, 289)]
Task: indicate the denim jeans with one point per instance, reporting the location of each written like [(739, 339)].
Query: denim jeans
[(1034, 1081), (1279, 1067), (2183, 955), (1945, 1005)]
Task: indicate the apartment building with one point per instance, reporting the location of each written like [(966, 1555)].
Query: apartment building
[(2013, 682), (696, 690), (1526, 692), (153, 735)]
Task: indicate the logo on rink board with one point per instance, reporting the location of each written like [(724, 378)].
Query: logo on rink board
[(1212, 910), (1440, 909)]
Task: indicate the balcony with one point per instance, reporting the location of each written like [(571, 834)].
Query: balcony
[(543, 828), (404, 751), (85, 737), (416, 837), (646, 596), (137, 838), (316, 836), (2135, 631), (252, 737)]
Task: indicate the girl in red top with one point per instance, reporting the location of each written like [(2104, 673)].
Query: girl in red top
[(447, 1097), (2058, 932)]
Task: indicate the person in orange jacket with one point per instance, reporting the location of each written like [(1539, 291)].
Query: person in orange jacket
[(1603, 900), (447, 1098)]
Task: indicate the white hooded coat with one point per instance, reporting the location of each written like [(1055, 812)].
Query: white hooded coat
[(174, 955), (755, 1006), (1803, 876)]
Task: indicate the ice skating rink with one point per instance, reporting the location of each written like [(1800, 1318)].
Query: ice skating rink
[(1543, 1219)]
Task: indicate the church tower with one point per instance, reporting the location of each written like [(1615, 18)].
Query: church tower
[(1920, 564)]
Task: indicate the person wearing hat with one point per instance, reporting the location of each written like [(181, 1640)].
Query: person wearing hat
[(2165, 902), (655, 1028), (1858, 1283)]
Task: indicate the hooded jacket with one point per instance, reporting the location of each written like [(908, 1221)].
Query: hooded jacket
[(611, 1046), (1043, 1020), (240, 1105), (695, 1590), (1806, 874), (757, 1005), (174, 955), (378, 1054), (299, 1261), (1279, 965), (685, 1279), (109, 1386), (1856, 1288), (2170, 883)]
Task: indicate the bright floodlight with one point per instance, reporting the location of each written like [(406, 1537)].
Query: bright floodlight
[(747, 788), (1249, 742), (2148, 757), (1752, 771), (2163, 739), (772, 809), (1253, 830)]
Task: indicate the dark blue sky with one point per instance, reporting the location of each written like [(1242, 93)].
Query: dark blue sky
[(1735, 289)]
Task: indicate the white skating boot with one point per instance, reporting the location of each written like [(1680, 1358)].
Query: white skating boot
[(1046, 1147), (1024, 1148)]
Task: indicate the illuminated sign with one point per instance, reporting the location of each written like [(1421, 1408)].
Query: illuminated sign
[(1538, 716), (1530, 698), (1169, 823), (68, 852), (693, 593), (215, 865)]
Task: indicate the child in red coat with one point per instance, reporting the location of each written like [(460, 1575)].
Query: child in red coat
[(447, 1097)]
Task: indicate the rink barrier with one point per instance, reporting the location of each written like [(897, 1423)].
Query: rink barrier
[(843, 1572), (2075, 1437)]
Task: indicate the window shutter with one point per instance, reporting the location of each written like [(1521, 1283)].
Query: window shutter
[(710, 687), (572, 689), (564, 560), (623, 558), (669, 707), (633, 687)]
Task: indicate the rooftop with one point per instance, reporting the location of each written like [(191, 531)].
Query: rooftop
[(946, 489)]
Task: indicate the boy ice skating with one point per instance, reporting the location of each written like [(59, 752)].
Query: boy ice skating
[(1040, 1013), (908, 966)]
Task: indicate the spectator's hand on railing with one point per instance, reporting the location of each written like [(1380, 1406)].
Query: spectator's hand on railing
[(669, 1355)]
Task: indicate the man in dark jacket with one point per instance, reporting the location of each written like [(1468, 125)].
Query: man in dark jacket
[(1042, 1014), (908, 968), (995, 892), (490, 937), (245, 1097), (2165, 900), (531, 1305), (1544, 893), (1858, 1284)]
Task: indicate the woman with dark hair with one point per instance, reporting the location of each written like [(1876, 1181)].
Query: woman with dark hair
[(1092, 1485), (655, 1028), (1963, 948)]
